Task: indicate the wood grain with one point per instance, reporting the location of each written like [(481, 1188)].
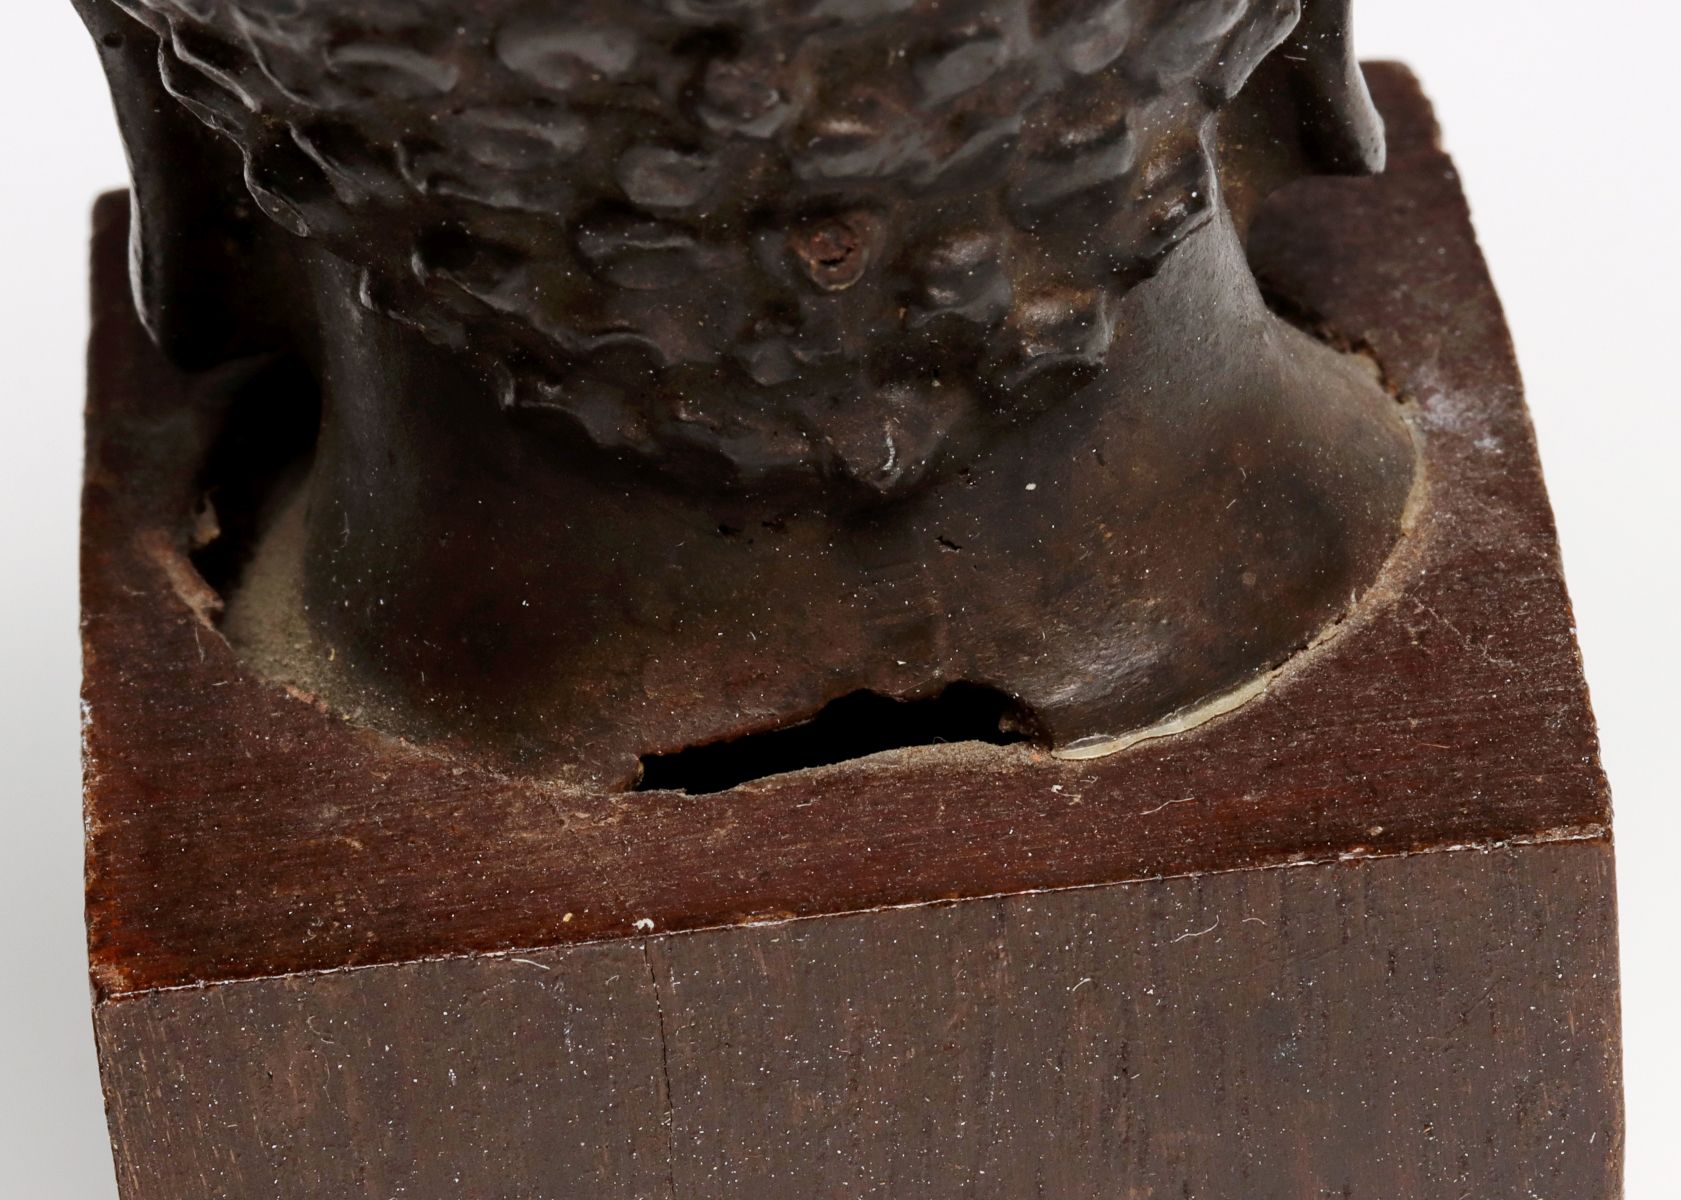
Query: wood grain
[(1416, 1028)]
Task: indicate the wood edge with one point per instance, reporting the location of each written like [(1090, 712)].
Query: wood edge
[(1599, 835)]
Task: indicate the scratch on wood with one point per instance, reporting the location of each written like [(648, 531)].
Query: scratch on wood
[(667, 1117), (1196, 933)]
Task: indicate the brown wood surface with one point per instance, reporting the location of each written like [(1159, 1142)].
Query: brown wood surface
[(235, 831), (1431, 1027)]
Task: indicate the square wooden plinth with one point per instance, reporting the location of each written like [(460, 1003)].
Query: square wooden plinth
[(1355, 939)]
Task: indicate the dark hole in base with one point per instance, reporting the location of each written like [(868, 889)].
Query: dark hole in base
[(271, 414), (850, 727)]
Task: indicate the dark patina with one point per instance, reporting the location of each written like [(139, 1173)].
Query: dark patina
[(663, 373)]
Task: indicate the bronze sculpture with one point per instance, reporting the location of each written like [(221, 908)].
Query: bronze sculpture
[(687, 367), (618, 399)]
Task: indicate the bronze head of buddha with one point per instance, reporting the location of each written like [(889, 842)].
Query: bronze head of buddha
[(684, 366)]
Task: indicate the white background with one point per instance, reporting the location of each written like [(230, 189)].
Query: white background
[(1564, 119)]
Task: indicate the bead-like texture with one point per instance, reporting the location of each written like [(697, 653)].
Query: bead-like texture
[(743, 239)]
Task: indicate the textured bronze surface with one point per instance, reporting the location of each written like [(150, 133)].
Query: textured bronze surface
[(637, 215), (664, 372)]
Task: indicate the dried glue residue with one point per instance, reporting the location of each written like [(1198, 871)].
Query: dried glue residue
[(1102, 745)]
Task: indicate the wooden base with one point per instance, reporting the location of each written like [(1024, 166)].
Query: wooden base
[(1354, 939), (1438, 1025)]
